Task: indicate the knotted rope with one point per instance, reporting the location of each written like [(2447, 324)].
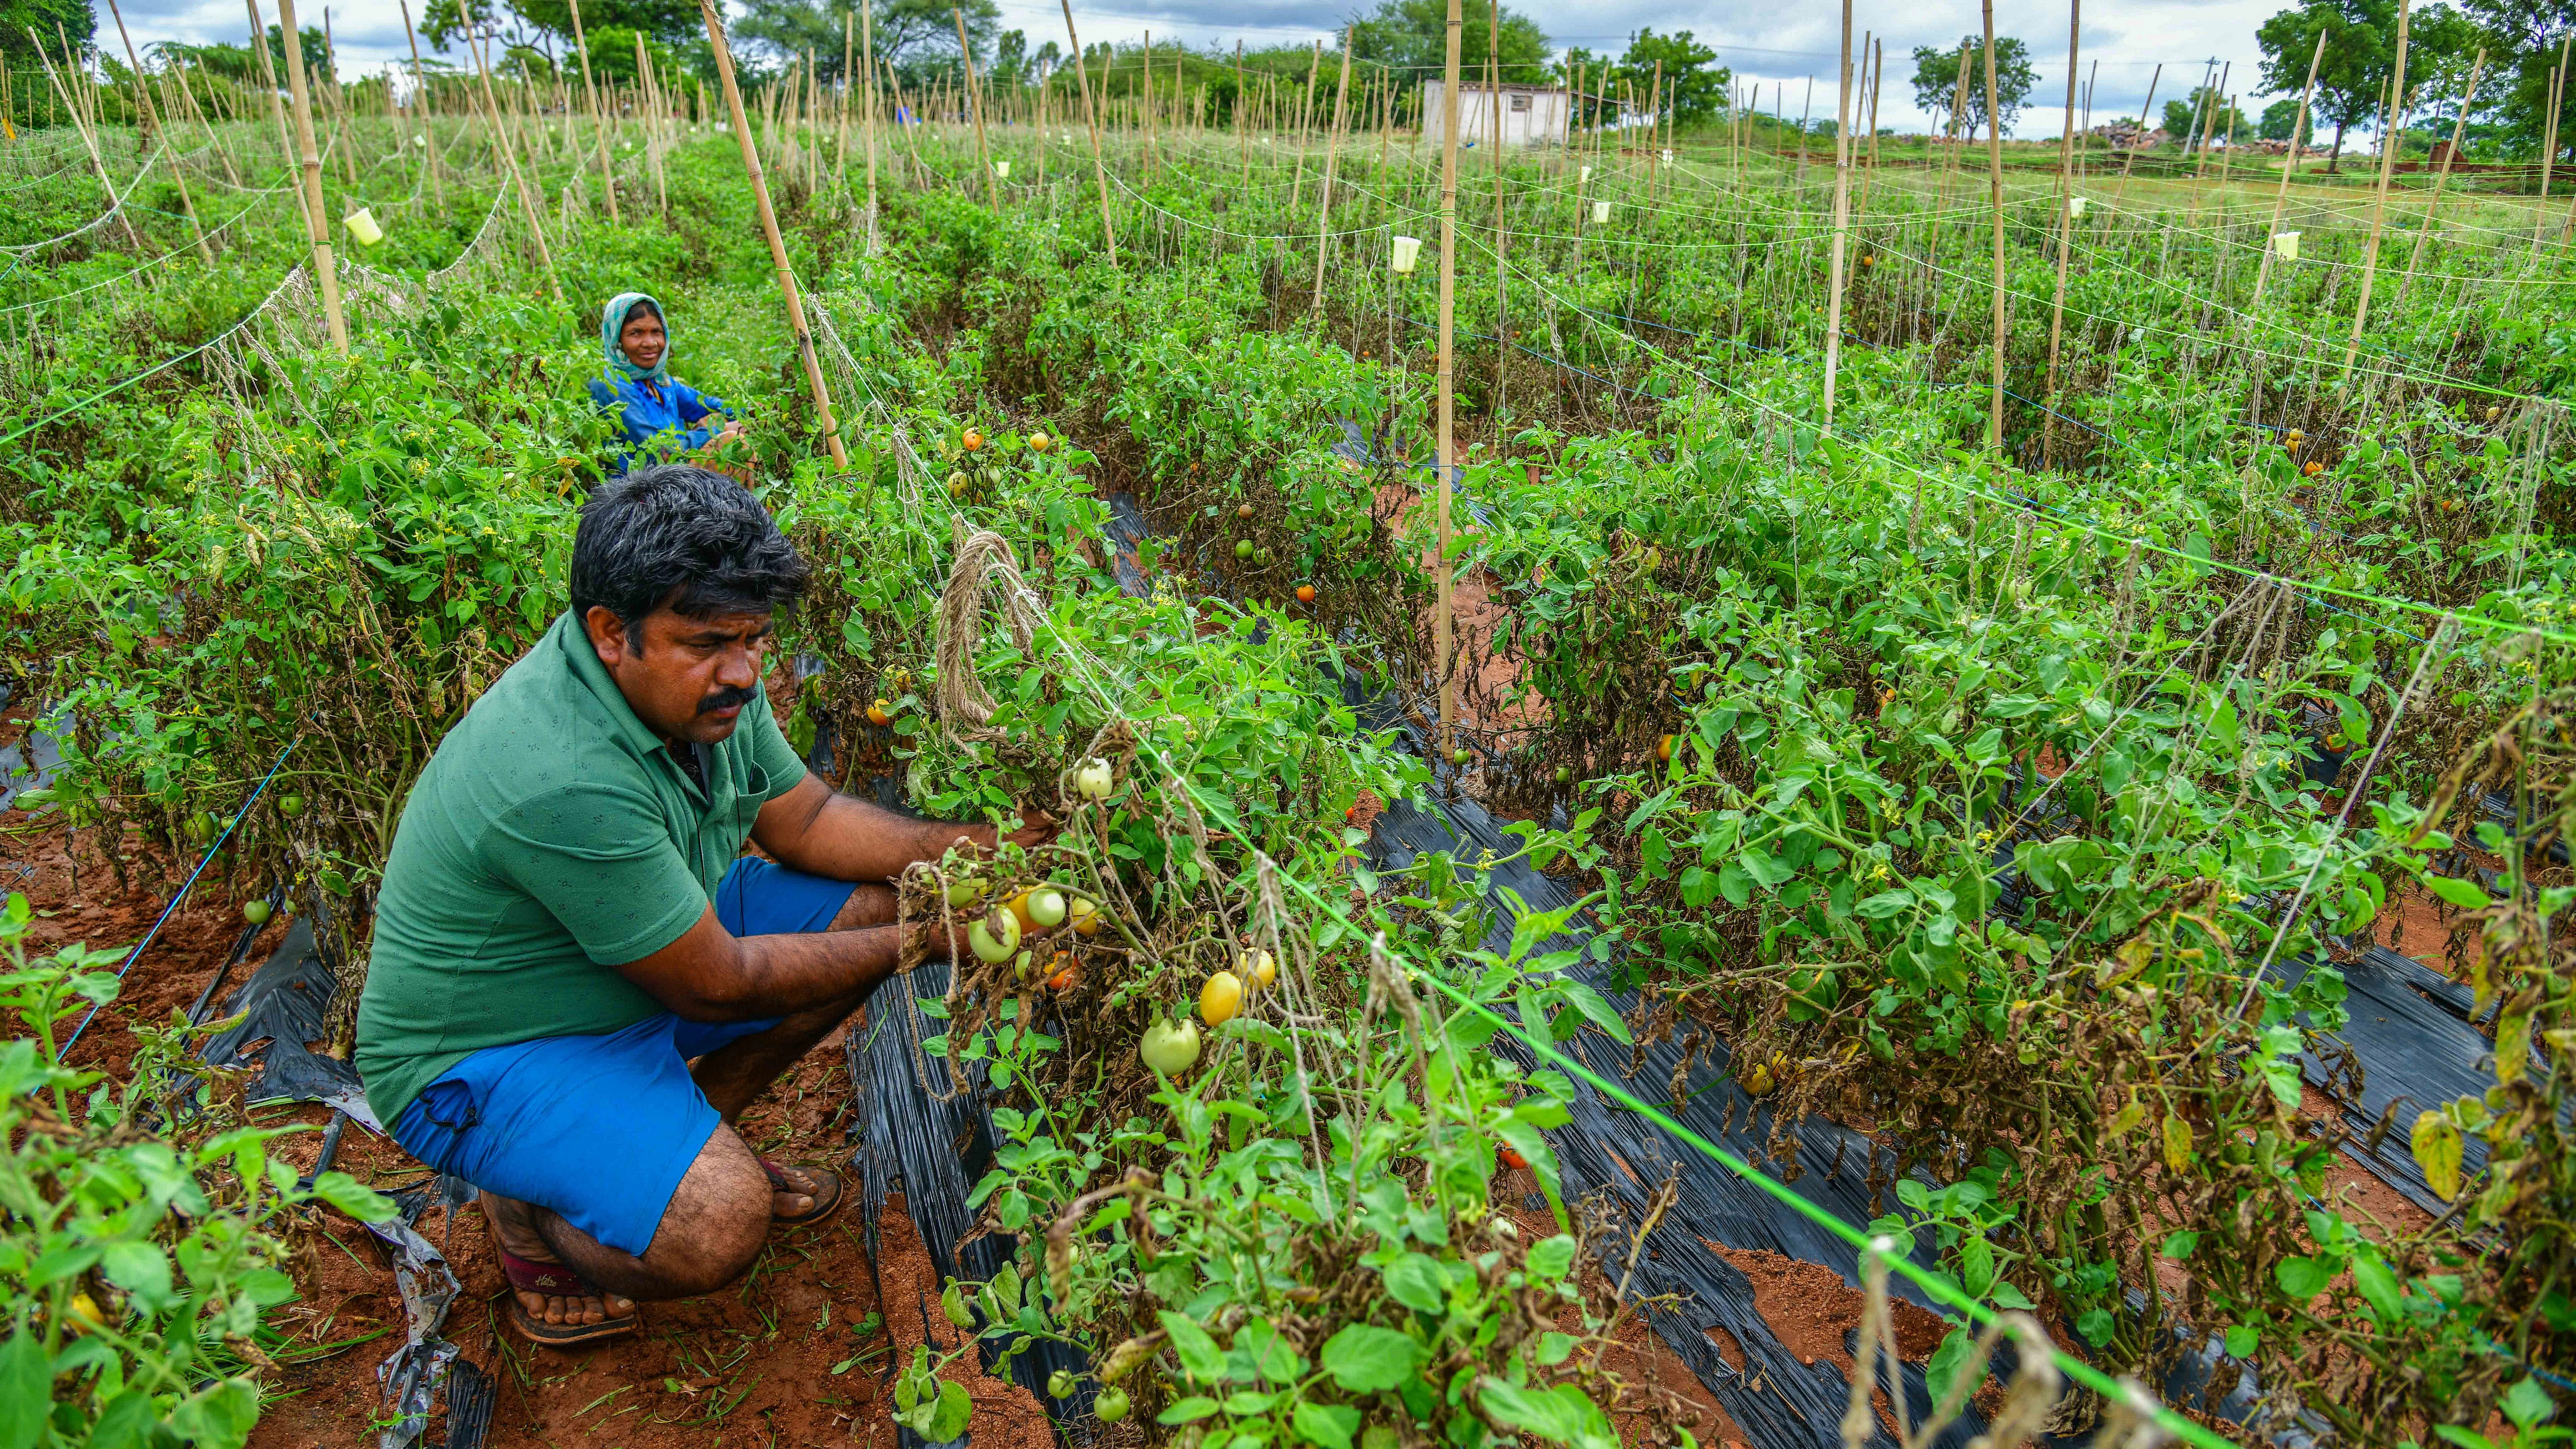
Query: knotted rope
[(984, 563)]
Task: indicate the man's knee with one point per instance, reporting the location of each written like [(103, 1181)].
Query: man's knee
[(716, 1224)]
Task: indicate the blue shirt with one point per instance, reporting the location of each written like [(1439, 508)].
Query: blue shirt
[(650, 410)]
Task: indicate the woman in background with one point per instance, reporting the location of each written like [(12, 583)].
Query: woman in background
[(663, 418)]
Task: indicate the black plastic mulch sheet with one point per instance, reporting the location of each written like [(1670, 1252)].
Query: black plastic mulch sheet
[(1610, 1150), (282, 1008)]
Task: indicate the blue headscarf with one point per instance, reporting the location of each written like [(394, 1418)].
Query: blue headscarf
[(612, 321)]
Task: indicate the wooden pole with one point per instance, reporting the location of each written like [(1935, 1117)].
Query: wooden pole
[(325, 270), (1145, 103), (1445, 445), (330, 93), (598, 117), (2281, 196), (2145, 114), (1091, 110), (868, 109), (89, 140), (2549, 136), (814, 384), (1332, 157), (1305, 113), (975, 106), (509, 150), (1243, 121), (2442, 174), (429, 118), (2378, 198), (849, 92), (152, 127), (188, 95), (1842, 220), (1995, 204), (269, 86), (1502, 234), (2065, 213)]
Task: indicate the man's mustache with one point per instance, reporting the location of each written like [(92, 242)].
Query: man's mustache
[(727, 699)]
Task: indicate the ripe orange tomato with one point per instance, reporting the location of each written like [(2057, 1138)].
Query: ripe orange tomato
[(974, 440), (1305, 593)]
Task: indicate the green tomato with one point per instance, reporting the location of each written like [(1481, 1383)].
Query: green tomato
[(1243, 549), (255, 912), (1111, 1406), (1060, 1384), (290, 806)]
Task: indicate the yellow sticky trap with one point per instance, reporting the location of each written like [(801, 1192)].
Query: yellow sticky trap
[(1600, 212), (2285, 245), (1002, 169), (362, 225), (1408, 249), (2075, 205)]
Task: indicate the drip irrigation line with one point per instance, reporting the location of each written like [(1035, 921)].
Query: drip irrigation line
[(182, 894), (1936, 1285)]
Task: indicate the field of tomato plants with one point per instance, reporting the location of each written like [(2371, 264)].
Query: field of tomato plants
[(2018, 789)]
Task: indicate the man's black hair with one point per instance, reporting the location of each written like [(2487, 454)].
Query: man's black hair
[(679, 537)]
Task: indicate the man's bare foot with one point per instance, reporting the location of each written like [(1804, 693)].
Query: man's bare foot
[(793, 1203), (514, 1229)]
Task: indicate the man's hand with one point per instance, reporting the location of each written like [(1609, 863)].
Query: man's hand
[(1040, 829), (819, 831)]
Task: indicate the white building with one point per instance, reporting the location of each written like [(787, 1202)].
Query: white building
[(1531, 115)]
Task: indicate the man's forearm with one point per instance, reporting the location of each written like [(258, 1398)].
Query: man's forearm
[(783, 975), (841, 837)]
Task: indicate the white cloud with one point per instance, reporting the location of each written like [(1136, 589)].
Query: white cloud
[(1767, 44)]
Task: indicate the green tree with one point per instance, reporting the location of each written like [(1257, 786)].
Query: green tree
[(2279, 116), (1936, 79), (1410, 37), (2361, 47), (917, 37), (17, 17), (2187, 120), (2522, 37), (1694, 83)]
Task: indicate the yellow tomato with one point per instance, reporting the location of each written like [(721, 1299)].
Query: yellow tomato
[(1221, 998)]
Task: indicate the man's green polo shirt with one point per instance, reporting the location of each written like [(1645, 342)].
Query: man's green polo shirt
[(552, 839)]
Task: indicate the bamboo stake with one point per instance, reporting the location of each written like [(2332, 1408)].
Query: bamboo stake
[(88, 139), (2442, 176), (1502, 233), (1243, 122), (1806, 119), (152, 128), (975, 104), (2281, 196), (2378, 197), (427, 117), (1877, 76), (1842, 221), (330, 94), (1305, 111), (1099, 169), (189, 97), (657, 128), (2209, 125), (2065, 216), (1332, 156), (1446, 447), (325, 270), (509, 150), (868, 110), (2145, 112), (270, 88), (598, 118), (777, 245), (2549, 137), (1145, 105), (849, 88), (1995, 200)]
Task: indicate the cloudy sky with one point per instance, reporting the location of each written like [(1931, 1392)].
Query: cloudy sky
[(1762, 42)]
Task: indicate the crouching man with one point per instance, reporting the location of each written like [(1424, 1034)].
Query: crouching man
[(578, 980)]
